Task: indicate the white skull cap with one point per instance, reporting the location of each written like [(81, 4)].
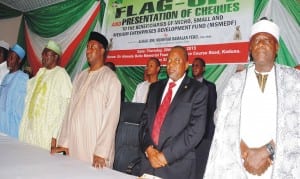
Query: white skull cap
[(267, 27)]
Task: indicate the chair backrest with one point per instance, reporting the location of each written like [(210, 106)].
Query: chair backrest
[(127, 148)]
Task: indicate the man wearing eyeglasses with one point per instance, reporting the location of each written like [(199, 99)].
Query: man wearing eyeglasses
[(47, 98)]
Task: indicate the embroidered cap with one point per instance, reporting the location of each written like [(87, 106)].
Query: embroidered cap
[(54, 47), (18, 50), (267, 27)]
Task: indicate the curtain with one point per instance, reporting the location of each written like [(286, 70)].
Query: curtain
[(71, 35), (293, 7), (54, 19)]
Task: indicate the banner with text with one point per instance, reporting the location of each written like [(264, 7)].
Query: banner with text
[(216, 30)]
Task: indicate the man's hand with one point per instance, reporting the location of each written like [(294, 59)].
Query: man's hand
[(53, 143), (244, 149), (98, 162), (59, 150), (256, 160), (156, 158), (162, 159)]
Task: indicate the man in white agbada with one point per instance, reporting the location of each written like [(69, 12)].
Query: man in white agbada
[(89, 128), (48, 95), (258, 118)]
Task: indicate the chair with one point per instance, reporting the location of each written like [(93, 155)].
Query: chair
[(127, 148)]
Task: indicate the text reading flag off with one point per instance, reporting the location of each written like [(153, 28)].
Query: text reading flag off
[(216, 30)]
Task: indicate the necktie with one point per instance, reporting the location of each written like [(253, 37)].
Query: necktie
[(262, 79), (161, 113)]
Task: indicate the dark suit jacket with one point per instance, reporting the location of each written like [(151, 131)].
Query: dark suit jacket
[(211, 107), (202, 149), (183, 128)]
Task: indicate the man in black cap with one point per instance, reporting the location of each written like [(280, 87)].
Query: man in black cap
[(88, 130)]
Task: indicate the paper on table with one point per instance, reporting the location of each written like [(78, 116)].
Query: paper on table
[(148, 176)]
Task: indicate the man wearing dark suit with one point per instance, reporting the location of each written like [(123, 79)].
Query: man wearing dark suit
[(171, 155), (202, 149)]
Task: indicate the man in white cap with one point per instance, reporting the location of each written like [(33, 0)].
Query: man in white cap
[(47, 98), (258, 116), (12, 93), (4, 47)]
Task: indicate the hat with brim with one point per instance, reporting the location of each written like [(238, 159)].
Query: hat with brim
[(265, 26), (54, 47), (4, 44), (18, 50), (100, 38)]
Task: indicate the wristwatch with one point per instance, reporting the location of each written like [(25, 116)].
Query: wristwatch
[(271, 150)]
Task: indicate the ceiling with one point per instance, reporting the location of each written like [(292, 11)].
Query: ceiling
[(28, 5)]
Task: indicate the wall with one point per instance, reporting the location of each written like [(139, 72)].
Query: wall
[(9, 29)]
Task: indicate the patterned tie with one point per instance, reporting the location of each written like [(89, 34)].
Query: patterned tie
[(161, 113)]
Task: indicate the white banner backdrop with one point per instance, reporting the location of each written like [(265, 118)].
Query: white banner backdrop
[(217, 31)]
